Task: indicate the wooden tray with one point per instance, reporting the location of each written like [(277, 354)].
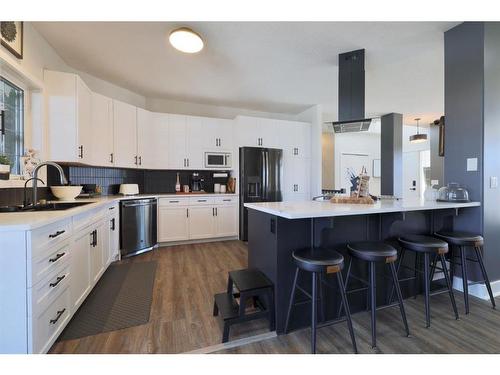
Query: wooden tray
[(352, 200)]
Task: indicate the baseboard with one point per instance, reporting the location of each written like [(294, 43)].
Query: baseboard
[(478, 290), (204, 240)]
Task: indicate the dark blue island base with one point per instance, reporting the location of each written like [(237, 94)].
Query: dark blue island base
[(272, 239)]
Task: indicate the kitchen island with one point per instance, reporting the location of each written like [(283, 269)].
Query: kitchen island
[(276, 229)]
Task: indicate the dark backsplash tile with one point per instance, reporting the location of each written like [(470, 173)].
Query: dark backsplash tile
[(15, 196)]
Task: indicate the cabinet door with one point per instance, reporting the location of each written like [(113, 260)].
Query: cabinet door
[(80, 268), (98, 247), (248, 132), (304, 140), (197, 136), (146, 144), (177, 142), (225, 134), (114, 236), (173, 224), (125, 134), (201, 222), (269, 133), (84, 115), (227, 220), (102, 130)]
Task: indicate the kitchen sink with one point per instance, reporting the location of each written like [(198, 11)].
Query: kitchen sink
[(44, 207)]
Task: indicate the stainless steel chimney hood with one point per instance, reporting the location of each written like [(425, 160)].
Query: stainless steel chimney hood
[(352, 93)]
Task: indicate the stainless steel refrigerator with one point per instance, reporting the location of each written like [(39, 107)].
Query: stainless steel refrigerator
[(260, 179)]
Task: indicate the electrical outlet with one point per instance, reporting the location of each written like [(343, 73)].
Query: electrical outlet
[(493, 182), (471, 164)]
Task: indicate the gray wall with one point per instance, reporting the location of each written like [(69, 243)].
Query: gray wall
[(391, 154), (491, 197), (472, 97), (437, 162)]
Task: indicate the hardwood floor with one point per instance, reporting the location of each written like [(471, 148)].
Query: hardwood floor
[(181, 320), (187, 277), (474, 333)]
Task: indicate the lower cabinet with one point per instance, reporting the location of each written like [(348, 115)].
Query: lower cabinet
[(80, 268), (173, 224), (180, 220), (114, 235)]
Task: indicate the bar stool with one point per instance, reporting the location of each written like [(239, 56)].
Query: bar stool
[(375, 252), (318, 262), (464, 240), (427, 246)]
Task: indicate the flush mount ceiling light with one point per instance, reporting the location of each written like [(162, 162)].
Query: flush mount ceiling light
[(186, 40), (418, 138)]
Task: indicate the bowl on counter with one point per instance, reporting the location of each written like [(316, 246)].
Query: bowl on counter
[(66, 193)]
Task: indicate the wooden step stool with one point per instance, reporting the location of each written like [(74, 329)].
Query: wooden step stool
[(245, 284)]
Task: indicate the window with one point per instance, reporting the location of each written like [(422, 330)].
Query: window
[(12, 123)]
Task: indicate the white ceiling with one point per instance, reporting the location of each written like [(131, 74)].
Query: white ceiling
[(272, 67)]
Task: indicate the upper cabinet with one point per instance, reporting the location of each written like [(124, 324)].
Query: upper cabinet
[(219, 134), (152, 139), (102, 151), (69, 103), (125, 135)]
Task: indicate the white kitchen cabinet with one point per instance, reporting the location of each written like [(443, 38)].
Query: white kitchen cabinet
[(125, 135), (152, 139), (69, 103), (173, 224), (102, 131), (226, 220), (99, 250), (177, 134), (80, 268), (296, 179), (257, 132), (201, 222), (114, 234), (196, 142), (218, 134)]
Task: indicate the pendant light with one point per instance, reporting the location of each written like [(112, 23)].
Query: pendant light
[(186, 40), (418, 138)]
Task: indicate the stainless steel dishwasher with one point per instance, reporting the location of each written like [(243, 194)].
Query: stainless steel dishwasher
[(138, 226)]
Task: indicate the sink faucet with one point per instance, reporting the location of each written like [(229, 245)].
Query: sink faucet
[(62, 177)]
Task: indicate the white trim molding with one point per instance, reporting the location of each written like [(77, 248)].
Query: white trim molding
[(478, 290)]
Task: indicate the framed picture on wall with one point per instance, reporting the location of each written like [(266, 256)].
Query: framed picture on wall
[(11, 37), (376, 168)]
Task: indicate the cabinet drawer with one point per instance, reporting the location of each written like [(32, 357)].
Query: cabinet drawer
[(49, 260), (49, 323), (198, 201), (172, 202), (226, 200), (48, 235), (46, 291)]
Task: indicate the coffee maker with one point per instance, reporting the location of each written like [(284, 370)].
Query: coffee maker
[(196, 182)]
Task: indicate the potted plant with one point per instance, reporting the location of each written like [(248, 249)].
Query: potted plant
[(4, 167)]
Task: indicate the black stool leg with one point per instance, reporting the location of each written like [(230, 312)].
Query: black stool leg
[(427, 290), (485, 275), (345, 286), (449, 285), (400, 296), (465, 279), (292, 299), (347, 310), (321, 297), (400, 260), (416, 274), (314, 305), (433, 266), (373, 303)]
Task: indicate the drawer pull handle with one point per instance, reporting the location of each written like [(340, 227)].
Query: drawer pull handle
[(59, 314), (58, 233), (173, 201), (226, 200), (57, 257), (202, 200), (111, 208), (58, 280)]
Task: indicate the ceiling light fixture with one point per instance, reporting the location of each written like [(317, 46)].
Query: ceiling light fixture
[(418, 138), (186, 40)]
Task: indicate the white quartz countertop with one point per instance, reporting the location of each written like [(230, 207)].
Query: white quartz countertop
[(312, 209), (15, 221)]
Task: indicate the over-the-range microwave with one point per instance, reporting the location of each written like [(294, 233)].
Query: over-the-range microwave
[(219, 160)]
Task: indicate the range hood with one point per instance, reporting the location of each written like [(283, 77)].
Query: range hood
[(352, 93)]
